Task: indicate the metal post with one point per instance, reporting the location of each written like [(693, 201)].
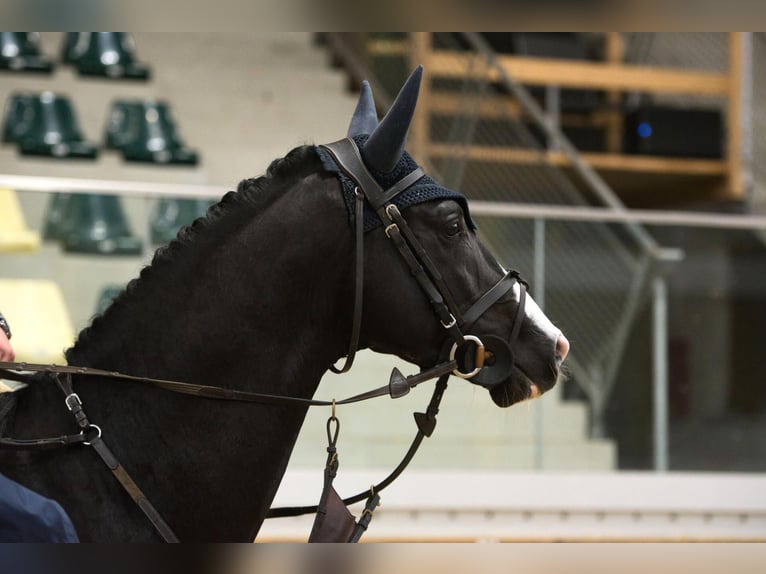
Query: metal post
[(147, 229), (553, 108), (660, 376), (597, 397), (746, 95), (539, 283)]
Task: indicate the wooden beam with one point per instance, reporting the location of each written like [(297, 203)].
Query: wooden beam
[(615, 51), (654, 164), (484, 106), (599, 161), (582, 75), (505, 107), (735, 116), (387, 47), (420, 53)]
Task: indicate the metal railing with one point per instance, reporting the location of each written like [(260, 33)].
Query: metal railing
[(543, 217)]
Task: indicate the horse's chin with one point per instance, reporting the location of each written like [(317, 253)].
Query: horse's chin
[(514, 390), (506, 394)]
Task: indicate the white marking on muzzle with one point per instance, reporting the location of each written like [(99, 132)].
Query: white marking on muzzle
[(536, 315)]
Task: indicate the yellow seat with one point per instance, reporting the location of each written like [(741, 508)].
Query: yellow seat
[(39, 320), (15, 236)]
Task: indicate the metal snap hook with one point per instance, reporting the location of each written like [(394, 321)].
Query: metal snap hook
[(478, 361), (333, 428)]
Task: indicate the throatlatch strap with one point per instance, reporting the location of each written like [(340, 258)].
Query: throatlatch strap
[(356, 327)]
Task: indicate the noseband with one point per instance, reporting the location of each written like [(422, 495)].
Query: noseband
[(487, 360)]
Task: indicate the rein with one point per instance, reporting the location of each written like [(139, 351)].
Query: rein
[(91, 434), (467, 358)]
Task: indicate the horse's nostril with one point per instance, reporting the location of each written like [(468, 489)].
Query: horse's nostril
[(562, 348)]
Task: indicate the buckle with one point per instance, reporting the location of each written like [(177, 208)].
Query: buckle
[(73, 402), (391, 227), (451, 324), (391, 208)]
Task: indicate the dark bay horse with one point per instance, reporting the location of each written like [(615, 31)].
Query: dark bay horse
[(259, 296)]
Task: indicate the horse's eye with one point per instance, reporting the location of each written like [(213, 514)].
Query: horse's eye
[(453, 228)]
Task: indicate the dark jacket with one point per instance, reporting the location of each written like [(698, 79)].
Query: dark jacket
[(26, 516)]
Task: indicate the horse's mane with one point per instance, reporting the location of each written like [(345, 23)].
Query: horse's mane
[(236, 209)]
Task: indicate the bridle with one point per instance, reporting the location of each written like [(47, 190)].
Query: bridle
[(346, 154), (467, 357)]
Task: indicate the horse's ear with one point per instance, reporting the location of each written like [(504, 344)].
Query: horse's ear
[(386, 144), (365, 118)]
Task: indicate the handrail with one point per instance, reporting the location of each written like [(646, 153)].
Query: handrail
[(111, 187), (478, 207), (607, 215)]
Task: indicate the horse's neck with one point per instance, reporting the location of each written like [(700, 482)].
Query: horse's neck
[(270, 294), (267, 313)]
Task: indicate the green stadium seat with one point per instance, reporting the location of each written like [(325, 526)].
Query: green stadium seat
[(46, 125), (122, 123), (145, 131), (55, 222), (17, 118), (97, 225), (172, 214), (106, 54), (20, 52)]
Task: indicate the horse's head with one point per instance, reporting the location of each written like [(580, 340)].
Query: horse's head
[(432, 290)]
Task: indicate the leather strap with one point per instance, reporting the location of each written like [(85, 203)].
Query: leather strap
[(395, 215), (126, 481), (219, 393), (130, 486), (401, 185), (489, 298), (74, 404), (519, 319), (42, 443), (426, 423), (348, 157), (346, 154), (356, 327)]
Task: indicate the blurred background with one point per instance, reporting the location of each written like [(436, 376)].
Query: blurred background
[(619, 172)]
